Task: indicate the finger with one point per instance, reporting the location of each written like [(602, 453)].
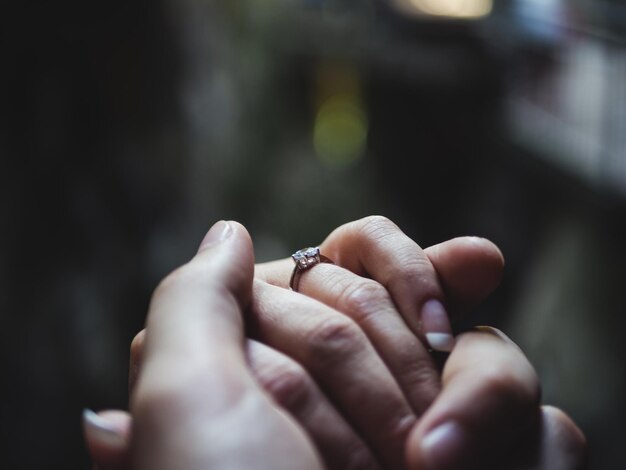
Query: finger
[(194, 382), (195, 312), (107, 435), (375, 247), (558, 444), (136, 354), (469, 269), (340, 358), (370, 305), (294, 390), (490, 398), (563, 446)]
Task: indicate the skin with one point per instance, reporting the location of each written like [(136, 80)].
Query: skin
[(381, 280), (301, 390)]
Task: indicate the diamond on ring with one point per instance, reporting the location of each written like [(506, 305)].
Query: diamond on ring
[(306, 257)]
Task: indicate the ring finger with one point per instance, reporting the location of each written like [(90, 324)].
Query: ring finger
[(370, 305)]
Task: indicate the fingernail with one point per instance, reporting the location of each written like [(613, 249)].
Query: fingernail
[(219, 232), (443, 446), (101, 430), (436, 326), (490, 330)]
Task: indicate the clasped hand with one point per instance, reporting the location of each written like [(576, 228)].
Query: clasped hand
[(236, 371)]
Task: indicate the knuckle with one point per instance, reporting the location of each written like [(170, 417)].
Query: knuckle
[(377, 226), (416, 270), (362, 299), (377, 221), (511, 390), (418, 372), (373, 227), (290, 385), (334, 339)]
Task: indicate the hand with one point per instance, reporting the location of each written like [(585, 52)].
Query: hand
[(398, 295), (450, 275), (381, 278), (364, 327), (488, 415), (196, 404)]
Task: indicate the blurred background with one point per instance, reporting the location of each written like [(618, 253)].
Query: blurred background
[(128, 127)]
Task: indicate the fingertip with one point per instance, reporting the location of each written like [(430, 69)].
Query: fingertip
[(489, 364), (227, 247), (220, 231), (481, 253), (224, 230), (107, 434), (563, 431), (490, 398), (104, 429), (441, 447), (565, 423), (485, 245), (469, 269), (435, 325)]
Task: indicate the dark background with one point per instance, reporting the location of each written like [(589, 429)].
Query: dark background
[(128, 127)]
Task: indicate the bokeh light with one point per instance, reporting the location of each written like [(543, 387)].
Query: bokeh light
[(451, 8), (340, 124), (340, 131)]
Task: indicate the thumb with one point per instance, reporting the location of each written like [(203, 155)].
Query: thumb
[(178, 310)]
